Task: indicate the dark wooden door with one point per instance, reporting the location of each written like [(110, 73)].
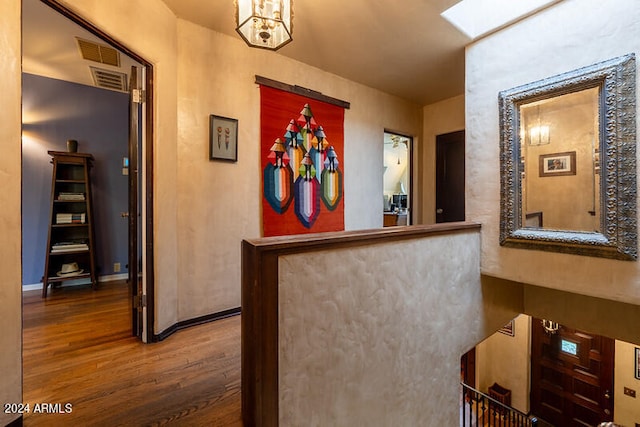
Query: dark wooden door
[(468, 368), (571, 376), (450, 177)]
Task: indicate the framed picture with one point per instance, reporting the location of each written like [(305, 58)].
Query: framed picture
[(508, 329), (223, 138), (558, 164), (637, 363)]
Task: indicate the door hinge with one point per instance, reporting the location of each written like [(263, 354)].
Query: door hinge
[(139, 301), (139, 96)]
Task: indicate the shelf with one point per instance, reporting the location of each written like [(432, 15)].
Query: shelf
[(69, 181), (74, 252), (70, 199), (52, 279)]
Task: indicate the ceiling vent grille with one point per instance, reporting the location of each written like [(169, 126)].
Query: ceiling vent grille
[(98, 53), (111, 80)]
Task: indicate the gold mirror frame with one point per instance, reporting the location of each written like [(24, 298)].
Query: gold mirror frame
[(616, 80)]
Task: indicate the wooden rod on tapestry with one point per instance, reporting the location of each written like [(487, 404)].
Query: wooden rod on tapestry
[(299, 90)]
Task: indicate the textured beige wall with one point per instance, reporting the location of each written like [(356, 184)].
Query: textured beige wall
[(439, 118), (566, 36), (382, 346), (506, 360), (220, 203), (10, 160)]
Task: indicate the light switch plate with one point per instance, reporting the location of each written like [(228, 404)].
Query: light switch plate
[(630, 392)]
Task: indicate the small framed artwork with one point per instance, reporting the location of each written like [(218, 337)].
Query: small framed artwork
[(637, 363), (508, 329), (223, 138), (558, 164)]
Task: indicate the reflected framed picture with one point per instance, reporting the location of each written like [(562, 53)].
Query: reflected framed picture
[(558, 164), (223, 138), (637, 363), (508, 329)]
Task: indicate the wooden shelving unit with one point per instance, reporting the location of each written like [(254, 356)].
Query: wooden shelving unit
[(71, 237)]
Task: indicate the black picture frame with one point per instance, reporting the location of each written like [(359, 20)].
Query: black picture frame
[(223, 138), (637, 363)]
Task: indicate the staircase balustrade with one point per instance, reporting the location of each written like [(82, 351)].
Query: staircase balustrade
[(480, 410)]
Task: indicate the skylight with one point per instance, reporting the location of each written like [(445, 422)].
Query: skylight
[(476, 18)]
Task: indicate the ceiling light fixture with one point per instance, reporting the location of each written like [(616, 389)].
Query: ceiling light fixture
[(539, 135), (550, 326), (266, 24)]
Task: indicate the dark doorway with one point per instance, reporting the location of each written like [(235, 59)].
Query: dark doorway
[(468, 368), (571, 376), (450, 177)]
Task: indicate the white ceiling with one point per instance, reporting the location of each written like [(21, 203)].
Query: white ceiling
[(403, 48), (49, 46)]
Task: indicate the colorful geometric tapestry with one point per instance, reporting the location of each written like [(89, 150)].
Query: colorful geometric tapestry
[(302, 142)]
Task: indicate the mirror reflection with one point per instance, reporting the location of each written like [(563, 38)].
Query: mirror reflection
[(560, 147), (568, 162)]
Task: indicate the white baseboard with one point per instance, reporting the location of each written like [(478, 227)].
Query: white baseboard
[(113, 277), (101, 279)]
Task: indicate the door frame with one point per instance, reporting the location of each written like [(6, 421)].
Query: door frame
[(148, 143), (410, 202)]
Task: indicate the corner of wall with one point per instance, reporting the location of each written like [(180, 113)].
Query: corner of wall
[(10, 226), (438, 118)]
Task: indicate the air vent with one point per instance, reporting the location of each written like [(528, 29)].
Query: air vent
[(98, 52), (111, 80)]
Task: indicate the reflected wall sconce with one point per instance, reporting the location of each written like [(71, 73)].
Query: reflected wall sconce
[(265, 24)]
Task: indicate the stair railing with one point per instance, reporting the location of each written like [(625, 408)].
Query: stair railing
[(480, 410)]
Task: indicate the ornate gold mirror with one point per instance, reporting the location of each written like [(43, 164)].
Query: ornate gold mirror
[(568, 162)]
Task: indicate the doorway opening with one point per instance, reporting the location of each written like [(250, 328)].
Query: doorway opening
[(115, 128), (397, 179), (77, 84)]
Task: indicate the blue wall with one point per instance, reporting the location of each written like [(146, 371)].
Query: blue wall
[(54, 111)]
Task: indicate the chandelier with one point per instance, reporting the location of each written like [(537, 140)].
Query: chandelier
[(266, 24), (550, 326)]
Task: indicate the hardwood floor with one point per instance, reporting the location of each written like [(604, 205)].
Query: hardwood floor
[(77, 350)]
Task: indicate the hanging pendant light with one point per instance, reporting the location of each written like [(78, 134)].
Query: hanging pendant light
[(539, 133), (265, 24), (550, 326)]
